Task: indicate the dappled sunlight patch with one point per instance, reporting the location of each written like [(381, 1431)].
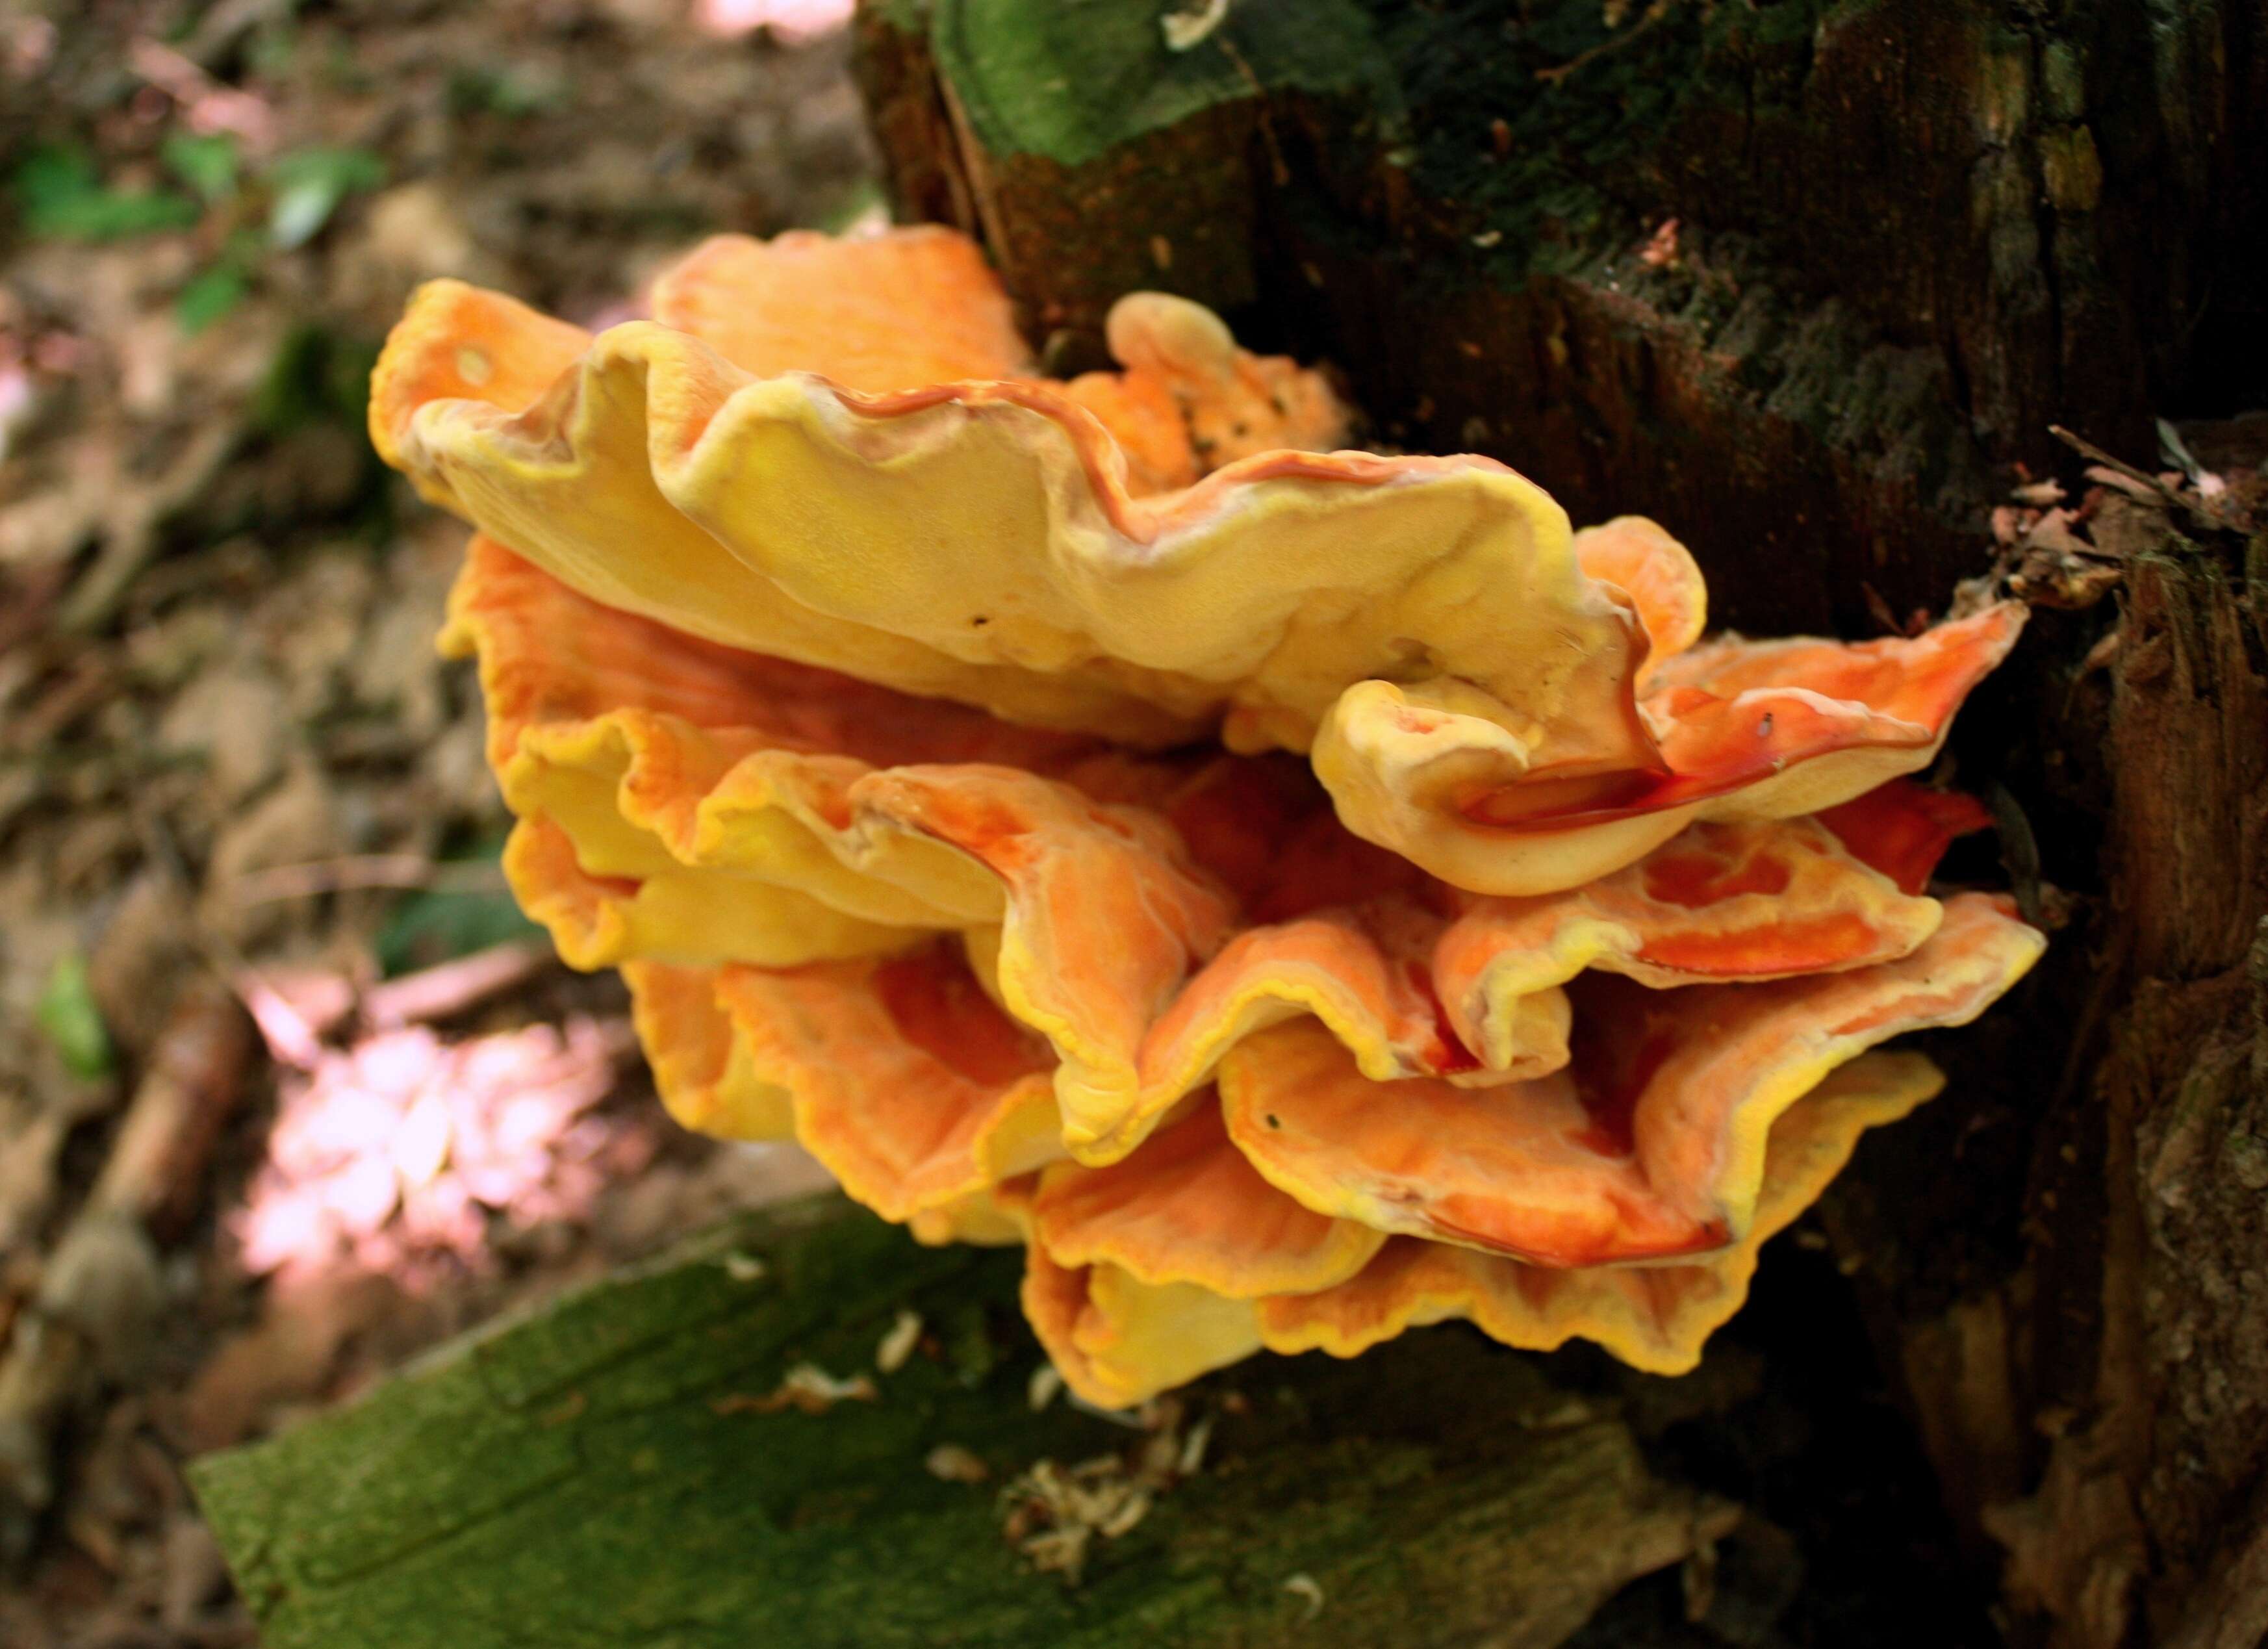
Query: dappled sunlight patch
[(393, 1154)]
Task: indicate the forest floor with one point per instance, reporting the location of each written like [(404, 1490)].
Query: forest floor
[(238, 787)]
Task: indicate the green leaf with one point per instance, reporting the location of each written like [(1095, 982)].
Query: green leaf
[(68, 1016), (431, 926), (208, 165), (61, 197), (209, 296), (862, 197), (310, 183), (2174, 451)]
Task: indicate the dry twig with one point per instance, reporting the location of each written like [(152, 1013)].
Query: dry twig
[(356, 872), (1654, 13), (446, 990), (98, 1295)]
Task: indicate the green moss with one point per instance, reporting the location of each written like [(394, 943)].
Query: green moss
[(596, 1476), (1068, 79)]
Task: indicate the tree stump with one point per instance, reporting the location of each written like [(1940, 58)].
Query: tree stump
[(1810, 282)]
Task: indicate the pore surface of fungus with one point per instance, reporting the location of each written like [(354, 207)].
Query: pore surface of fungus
[(1298, 894)]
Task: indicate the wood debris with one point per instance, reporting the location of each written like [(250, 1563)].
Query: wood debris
[(1187, 29), (449, 989), (952, 1463), (806, 1389), (2048, 556), (391, 1155), (1053, 1513), (898, 1344), (1306, 1587)]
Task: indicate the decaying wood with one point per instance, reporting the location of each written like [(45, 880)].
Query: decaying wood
[(624, 1469), (2101, 1408), (2149, 1511), (297, 1010)]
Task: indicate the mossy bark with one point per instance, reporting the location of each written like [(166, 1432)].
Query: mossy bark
[(1093, 160), (1810, 281), (609, 1473), (1908, 237)]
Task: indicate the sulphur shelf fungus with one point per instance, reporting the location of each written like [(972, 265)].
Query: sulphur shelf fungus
[(1298, 894)]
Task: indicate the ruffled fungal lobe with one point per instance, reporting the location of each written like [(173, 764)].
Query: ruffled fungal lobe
[(1297, 893)]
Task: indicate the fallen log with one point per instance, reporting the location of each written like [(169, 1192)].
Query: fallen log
[(744, 1444)]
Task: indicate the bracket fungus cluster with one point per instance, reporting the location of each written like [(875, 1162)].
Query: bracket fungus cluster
[(1298, 894)]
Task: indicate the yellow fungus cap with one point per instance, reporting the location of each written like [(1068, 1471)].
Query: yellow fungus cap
[(1297, 893)]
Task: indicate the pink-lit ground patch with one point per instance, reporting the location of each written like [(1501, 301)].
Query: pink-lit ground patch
[(394, 1153), (793, 21)]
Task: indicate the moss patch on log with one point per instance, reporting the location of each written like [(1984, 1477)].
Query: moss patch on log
[(1066, 81), (607, 1472)]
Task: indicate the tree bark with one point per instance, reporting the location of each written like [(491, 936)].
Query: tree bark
[(2150, 1272)]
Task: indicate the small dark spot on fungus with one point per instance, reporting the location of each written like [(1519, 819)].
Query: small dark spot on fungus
[(1764, 727), (1272, 1122), (979, 620)]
